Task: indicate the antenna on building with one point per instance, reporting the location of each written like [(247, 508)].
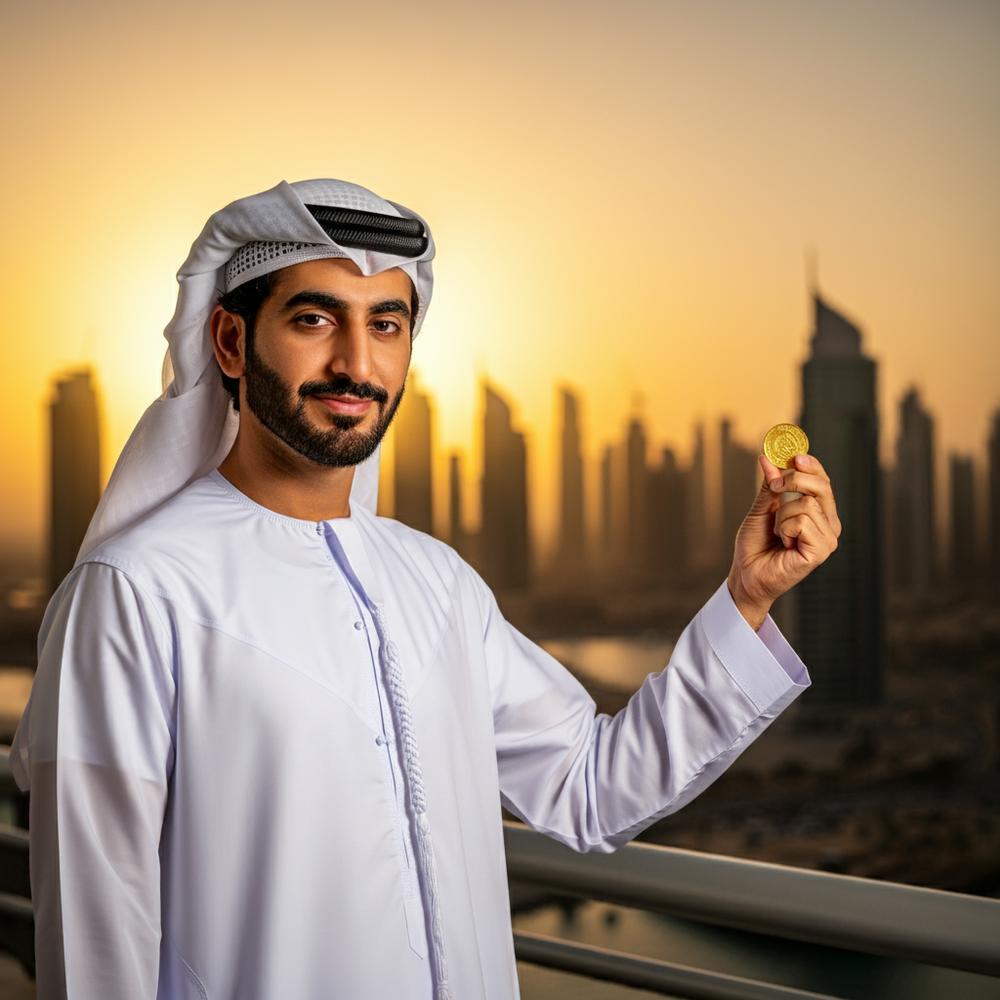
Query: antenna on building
[(812, 270)]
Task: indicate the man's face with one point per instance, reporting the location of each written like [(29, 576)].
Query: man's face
[(329, 330)]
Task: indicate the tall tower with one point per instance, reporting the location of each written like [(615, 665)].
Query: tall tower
[(614, 513), (963, 553), (667, 555), (456, 532), (838, 608), (701, 537), (74, 468), (606, 526), (913, 568), (413, 484), (993, 513), (504, 547), (571, 545), (636, 476), (739, 485)]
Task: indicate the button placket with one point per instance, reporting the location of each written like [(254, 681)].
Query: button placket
[(411, 896)]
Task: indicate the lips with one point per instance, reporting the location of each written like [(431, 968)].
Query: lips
[(345, 404)]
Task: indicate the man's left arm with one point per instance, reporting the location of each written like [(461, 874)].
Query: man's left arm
[(594, 781)]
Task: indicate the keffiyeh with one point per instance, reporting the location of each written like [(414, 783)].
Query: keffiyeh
[(191, 427)]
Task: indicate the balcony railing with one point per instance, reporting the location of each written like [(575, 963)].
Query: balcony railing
[(947, 929)]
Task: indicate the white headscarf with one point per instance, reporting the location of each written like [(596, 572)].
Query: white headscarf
[(191, 427)]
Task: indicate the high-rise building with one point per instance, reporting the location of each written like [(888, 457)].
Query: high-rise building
[(963, 553), (74, 468), (993, 511), (504, 543), (838, 616), (701, 545), (413, 481), (636, 486), (457, 537), (667, 555), (614, 518), (605, 527), (570, 556), (740, 481), (913, 569)]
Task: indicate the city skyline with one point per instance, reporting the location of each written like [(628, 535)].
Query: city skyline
[(646, 529), (630, 212), (726, 449)]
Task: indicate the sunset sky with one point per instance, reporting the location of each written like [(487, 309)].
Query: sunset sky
[(622, 198)]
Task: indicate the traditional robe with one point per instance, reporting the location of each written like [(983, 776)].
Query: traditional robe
[(218, 810)]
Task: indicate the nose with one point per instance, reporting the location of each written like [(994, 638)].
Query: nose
[(352, 351)]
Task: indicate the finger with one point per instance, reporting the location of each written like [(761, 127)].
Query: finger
[(814, 542), (806, 504), (809, 463), (771, 471), (818, 486)]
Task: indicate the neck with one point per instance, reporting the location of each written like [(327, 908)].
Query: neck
[(282, 481)]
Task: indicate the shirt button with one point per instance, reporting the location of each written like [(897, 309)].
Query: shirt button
[(358, 626), (380, 739)]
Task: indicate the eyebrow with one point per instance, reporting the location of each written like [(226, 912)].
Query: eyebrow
[(325, 300)]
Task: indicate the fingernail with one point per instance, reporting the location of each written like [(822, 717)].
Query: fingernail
[(802, 461), (776, 484)]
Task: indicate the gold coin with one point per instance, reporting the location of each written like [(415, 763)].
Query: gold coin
[(783, 442)]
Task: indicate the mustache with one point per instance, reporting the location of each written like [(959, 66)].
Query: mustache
[(344, 387)]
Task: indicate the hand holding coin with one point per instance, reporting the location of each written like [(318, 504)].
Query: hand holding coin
[(781, 444), (804, 519)]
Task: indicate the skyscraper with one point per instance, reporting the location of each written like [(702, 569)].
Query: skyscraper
[(838, 608), (413, 482), (606, 529), (74, 468), (456, 532), (740, 481), (993, 513), (636, 476), (963, 553), (571, 535), (701, 538), (913, 568), (504, 543), (667, 556), (614, 555)]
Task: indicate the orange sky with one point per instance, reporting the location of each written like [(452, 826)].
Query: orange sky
[(621, 198)]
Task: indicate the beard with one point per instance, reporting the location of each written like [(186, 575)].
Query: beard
[(282, 411)]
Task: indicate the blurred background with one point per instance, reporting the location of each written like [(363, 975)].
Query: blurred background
[(661, 228)]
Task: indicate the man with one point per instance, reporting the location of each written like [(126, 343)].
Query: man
[(271, 733)]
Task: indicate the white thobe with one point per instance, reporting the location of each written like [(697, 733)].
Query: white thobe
[(218, 803)]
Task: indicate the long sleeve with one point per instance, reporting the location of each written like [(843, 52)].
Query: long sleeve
[(95, 747), (594, 781)]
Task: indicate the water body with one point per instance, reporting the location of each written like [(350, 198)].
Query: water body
[(621, 662), (831, 971)]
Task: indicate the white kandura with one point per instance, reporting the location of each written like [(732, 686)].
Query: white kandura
[(211, 733)]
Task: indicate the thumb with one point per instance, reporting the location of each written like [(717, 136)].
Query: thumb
[(762, 501)]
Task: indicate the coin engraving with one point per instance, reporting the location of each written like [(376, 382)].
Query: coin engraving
[(783, 442)]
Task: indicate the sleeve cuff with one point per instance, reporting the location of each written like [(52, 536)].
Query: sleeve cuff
[(762, 663)]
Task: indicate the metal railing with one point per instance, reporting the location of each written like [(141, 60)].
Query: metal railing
[(648, 973), (948, 929), (931, 926)]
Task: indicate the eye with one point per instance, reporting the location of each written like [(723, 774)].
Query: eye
[(305, 316), (391, 323)]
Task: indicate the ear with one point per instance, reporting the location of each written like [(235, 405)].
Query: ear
[(228, 337)]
